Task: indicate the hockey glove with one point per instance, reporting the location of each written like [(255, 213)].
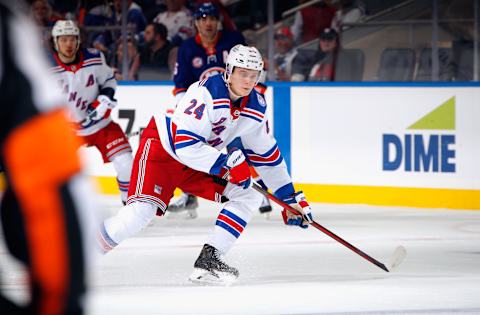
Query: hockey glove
[(102, 107), (299, 202), (238, 168)]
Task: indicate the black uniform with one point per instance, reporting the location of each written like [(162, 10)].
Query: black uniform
[(40, 213)]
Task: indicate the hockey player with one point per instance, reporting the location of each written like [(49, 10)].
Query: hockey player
[(187, 151), (89, 86), (46, 209), (204, 54), (198, 58)]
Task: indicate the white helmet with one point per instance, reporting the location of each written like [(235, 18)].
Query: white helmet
[(65, 27), (243, 57)]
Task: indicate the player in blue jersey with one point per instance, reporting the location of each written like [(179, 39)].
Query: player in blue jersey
[(200, 57), (204, 54), (187, 151)]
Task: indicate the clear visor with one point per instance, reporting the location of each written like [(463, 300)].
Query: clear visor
[(247, 74)]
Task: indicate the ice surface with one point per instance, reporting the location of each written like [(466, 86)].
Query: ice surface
[(286, 270)]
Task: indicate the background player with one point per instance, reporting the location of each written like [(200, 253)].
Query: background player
[(47, 205), (89, 86), (198, 58), (186, 151)]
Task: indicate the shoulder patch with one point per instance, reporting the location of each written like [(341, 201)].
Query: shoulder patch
[(92, 51), (261, 100), (257, 102), (197, 62)]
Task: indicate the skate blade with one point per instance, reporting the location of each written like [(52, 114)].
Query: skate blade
[(204, 277)]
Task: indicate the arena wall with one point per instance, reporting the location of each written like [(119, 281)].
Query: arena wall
[(415, 144)]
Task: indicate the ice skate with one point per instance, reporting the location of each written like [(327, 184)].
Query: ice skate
[(210, 269), (184, 207)]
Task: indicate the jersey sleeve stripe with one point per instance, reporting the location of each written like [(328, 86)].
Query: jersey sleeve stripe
[(221, 106), (92, 60), (253, 112), (270, 152), (250, 116), (90, 65), (221, 100), (189, 133), (182, 138), (171, 129), (275, 163), (219, 163), (183, 144), (270, 158)]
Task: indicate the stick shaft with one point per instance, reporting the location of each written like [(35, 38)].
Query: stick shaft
[(359, 252), (134, 133)]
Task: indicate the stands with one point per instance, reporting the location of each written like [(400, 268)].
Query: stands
[(396, 64), (391, 42)]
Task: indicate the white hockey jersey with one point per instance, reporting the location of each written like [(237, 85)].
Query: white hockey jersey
[(81, 83), (178, 23), (203, 125)]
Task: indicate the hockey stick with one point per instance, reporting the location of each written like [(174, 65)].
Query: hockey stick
[(134, 133), (395, 260), (88, 118)]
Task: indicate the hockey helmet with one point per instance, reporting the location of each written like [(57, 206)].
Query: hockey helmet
[(243, 57), (63, 28), (206, 9)]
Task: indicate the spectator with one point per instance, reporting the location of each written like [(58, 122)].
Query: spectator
[(42, 13), (349, 11), (157, 52), (64, 7), (99, 13), (151, 8), (178, 20), (311, 21), (320, 65), (285, 52), (324, 67), (135, 17), (227, 22), (133, 59), (43, 17)]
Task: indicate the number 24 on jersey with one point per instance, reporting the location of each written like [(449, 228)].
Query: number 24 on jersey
[(194, 109)]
